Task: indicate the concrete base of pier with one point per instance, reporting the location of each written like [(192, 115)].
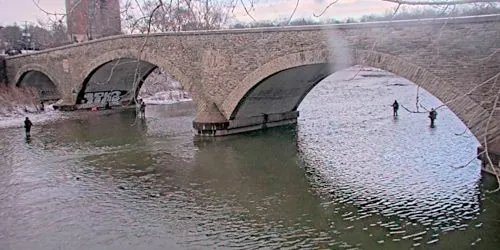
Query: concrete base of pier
[(245, 124), (75, 107)]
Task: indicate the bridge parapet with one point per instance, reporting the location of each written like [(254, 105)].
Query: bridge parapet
[(254, 78), (322, 27)]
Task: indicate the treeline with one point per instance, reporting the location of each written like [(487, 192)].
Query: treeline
[(402, 14), (433, 12), (32, 37)]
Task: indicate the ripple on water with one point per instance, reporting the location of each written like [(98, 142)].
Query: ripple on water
[(408, 177), (376, 182)]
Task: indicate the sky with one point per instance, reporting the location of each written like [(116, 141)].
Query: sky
[(19, 11)]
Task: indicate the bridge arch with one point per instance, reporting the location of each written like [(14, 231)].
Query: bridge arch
[(147, 62), (317, 65), (38, 77)]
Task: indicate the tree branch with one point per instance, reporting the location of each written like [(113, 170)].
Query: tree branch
[(326, 8), (455, 2), (246, 10), (293, 13)]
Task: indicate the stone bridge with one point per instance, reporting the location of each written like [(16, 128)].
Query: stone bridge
[(249, 79)]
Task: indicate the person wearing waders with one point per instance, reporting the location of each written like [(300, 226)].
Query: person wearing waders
[(432, 116), (27, 126), (143, 109), (395, 107)]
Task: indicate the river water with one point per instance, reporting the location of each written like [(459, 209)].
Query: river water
[(348, 176)]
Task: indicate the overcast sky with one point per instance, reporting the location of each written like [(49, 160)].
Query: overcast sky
[(18, 11)]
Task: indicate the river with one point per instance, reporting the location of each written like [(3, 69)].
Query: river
[(347, 176)]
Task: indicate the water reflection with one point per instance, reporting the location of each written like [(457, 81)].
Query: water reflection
[(347, 176)]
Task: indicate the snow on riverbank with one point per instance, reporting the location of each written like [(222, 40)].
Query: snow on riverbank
[(167, 97), (14, 116)]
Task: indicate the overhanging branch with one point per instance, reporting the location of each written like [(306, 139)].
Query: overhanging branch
[(455, 2)]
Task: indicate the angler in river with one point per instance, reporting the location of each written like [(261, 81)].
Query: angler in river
[(432, 117), (27, 126), (395, 107)]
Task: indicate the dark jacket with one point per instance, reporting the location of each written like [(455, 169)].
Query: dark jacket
[(27, 124), (433, 114), (395, 105)]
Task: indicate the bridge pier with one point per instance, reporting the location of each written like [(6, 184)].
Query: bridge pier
[(214, 124), (494, 155)]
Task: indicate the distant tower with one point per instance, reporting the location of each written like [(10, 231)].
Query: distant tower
[(91, 19)]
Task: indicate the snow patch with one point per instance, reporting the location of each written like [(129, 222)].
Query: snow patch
[(167, 97), (14, 116)]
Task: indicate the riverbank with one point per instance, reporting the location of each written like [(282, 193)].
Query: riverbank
[(16, 101)]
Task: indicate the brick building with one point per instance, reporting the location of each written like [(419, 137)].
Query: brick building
[(91, 19)]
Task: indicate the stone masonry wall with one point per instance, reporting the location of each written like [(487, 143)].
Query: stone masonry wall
[(448, 57)]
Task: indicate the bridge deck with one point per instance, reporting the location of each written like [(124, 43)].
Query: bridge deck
[(361, 25)]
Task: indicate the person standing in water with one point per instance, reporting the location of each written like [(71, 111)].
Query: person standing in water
[(395, 107), (432, 117), (27, 126), (143, 109)]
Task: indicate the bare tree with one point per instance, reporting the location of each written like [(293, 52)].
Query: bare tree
[(438, 2), (445, 3), (56, 34), (176, 15), (42, 36)]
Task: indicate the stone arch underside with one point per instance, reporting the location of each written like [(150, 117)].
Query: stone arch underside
[(116, 82), (116, 71), (279, 86), (271, 96), (37, 78)]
